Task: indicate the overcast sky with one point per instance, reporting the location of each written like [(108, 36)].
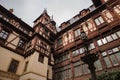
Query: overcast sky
[(62, 10)]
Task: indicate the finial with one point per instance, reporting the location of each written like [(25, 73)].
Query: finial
[(52, 18), (11, 10), (45, 10)]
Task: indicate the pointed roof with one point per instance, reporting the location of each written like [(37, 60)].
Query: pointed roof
[(52, 20), (43, 13)]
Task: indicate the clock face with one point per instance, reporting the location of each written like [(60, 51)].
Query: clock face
[(83, 35)]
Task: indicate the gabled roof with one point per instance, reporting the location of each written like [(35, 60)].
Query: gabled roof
[(2, 9)]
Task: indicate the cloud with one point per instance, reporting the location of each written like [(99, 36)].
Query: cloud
[(62, 10)]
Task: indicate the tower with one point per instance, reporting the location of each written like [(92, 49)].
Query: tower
[(46, 20), (42, 41)]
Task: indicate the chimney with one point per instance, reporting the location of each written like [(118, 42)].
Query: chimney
[(97, 2), (11, 10)]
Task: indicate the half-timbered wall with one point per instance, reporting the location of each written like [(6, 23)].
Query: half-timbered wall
[(102, 29), (34, 51)]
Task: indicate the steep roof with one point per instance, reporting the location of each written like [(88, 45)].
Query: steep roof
[(43, 13)]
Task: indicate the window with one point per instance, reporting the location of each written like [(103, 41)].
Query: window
[(42, 50), (104, 53), (98, 65), (114, 60), (63, 73), (1, 15), (77, 68), (65, 56), (109, 38), (104, 40), (92, 46), (41, 58), (65, 39), (13, 66), (69, 73), (118, 56), (99, 42), (43, 45), (110, 51), (4, 34), (77, 32), (85, 27), (81, 50), (68, 37), (91, 25), (114, 36), (99, 20), (107, 61), (21, 44), (59, 41), (21, 28), (62, 57), (105, 0), (115, 49), (76, 52), (26, 64), (117, 9), (107, 15), (73, 53), (118, 33), (85, 69)]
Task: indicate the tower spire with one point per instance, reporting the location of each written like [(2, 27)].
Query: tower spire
[(52, 18), (45, 10)]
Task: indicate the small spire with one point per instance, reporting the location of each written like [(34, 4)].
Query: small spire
[(45, 10), (52, 18)]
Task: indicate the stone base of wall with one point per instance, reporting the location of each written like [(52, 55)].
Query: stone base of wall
[(32, 76), (8, 76)]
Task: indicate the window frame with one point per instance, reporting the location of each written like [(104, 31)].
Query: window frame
[(59, 42), (77, 32), (4, 35), (21, 45), (15, 67), (41, 58), (99, 20)]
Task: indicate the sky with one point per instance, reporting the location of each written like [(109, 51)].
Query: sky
[(62, 10)]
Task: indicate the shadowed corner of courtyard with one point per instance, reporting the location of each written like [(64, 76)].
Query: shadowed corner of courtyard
[(109, 76)]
